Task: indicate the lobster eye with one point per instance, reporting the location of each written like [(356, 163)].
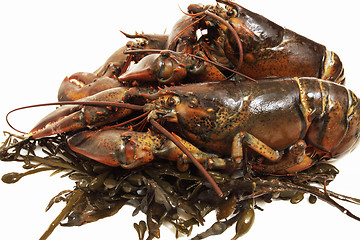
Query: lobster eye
[(172, 101), (231, 11)]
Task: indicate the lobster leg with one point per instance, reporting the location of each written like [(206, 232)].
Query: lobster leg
[(171, 152), (292, 161), (116, 147), (83, 84), (80, 85), (255, 144), (75, 117)]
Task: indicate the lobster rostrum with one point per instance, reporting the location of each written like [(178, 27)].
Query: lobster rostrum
[(285, 122)]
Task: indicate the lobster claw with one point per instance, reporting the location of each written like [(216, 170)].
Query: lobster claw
[(74, 117), (166, 67), (142, 71), (115, 147), (170, 67), (82, 84)]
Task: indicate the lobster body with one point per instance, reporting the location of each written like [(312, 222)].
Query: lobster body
[(278, 112), (285, 121), (269, 51)]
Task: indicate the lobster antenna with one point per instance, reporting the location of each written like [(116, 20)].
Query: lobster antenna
[(233, 31), (85, 103), (176, 38), (189, 154), (130, 51), (128, 121)]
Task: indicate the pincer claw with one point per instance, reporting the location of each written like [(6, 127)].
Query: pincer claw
[(80, 85), (115, 147), (76, 116)]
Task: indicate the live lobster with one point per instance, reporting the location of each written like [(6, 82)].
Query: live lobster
[(219, 118), (236, 39)]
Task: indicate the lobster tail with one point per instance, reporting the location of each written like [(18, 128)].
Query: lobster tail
[(334, 115), (351, 138), (332, 69)]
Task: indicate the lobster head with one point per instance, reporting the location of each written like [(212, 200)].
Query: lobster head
[(192, 108)]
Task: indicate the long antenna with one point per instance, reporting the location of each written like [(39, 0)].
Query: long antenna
[(189, 154), (84, 103)]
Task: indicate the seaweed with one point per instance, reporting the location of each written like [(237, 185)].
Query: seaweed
[(160, 191)]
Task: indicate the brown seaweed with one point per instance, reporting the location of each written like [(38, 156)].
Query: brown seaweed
[(160, 191)]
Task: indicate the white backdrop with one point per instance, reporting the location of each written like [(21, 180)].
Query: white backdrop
[(43, 41)]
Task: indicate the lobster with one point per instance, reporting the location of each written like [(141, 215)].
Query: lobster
[(285, 122), (257, 47), (237, 40)]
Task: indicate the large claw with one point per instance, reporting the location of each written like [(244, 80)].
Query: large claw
[(116, 147), (170, 67), (82, 84), (155, 68), (130, 149), (73, 117)]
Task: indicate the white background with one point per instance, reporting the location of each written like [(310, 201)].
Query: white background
[(43, 41)]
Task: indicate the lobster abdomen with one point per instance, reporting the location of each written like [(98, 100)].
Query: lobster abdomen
[(334, 118)]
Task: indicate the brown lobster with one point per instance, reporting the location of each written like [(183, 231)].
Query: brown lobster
[(237, 39), (284, 121), (266, 49)]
